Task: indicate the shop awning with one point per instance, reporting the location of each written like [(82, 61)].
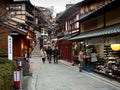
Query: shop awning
[(101, 32), (64, 38)]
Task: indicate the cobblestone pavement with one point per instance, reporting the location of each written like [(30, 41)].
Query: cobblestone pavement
[(63, 77)]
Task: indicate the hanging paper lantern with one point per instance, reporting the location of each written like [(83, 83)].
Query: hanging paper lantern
[(115, 47)]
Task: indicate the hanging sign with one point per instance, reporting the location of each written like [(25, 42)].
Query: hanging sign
[(10, 48)]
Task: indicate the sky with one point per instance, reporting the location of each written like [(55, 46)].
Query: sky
[(59, 5)]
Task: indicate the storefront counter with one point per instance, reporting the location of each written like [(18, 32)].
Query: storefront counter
[(110, 68)]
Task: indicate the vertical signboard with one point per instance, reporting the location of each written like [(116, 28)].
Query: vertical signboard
[(10, 48)]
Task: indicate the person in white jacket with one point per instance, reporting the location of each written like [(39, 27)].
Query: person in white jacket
[(43, 54), (93, 57)]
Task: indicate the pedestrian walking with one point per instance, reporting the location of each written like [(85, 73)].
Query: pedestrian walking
[(49, 54), (43, 54), (41, 42), (55, 55), (81, 58)]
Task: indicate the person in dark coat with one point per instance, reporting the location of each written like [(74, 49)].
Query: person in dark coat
[(49, 53), (55, 55)]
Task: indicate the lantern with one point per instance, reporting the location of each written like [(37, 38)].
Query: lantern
[(19, 64), (115, 47), (16, 79)]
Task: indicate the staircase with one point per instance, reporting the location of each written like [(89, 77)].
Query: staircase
[(36, 50)]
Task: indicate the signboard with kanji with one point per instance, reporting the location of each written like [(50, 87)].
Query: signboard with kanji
[(10, 48)]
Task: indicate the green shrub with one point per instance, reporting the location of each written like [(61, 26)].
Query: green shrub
[(7, 67), (1, 83)]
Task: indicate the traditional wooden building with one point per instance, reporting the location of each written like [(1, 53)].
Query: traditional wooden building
[(21, 18), (66, 29), (99, 26), (99, 23), (19, 21)]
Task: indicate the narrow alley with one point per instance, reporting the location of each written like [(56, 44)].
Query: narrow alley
[(80, 39), (63, 76)]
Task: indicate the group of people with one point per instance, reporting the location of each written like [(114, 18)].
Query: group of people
[(82, 59), (47, 53)]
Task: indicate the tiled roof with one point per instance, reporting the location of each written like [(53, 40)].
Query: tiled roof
[(72, 10), (100, 32), (99, 10)]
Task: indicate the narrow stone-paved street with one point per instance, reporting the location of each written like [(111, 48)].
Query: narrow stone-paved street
[(62, 77), (82, 34)]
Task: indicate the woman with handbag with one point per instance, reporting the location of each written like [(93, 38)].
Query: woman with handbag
[(43, 54)]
